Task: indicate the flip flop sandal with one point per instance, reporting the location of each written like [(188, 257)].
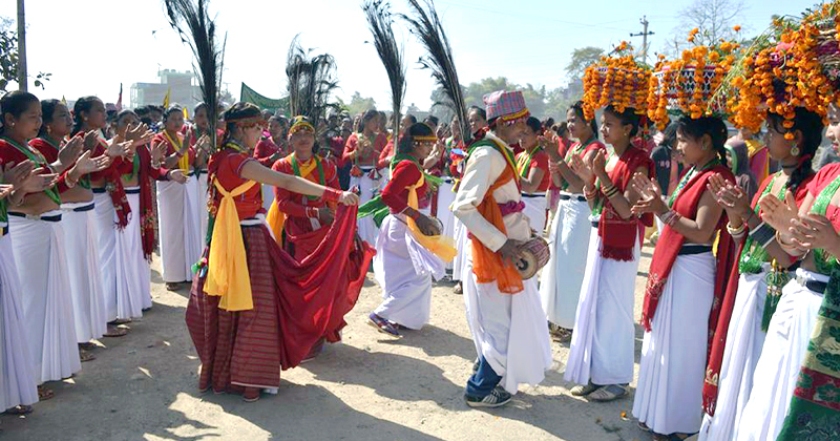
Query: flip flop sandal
[(583, 390), (19, 410), (383, 326), (85, 356), (45, 394), (116, 331), (173, 286), (608, 393), (643, 426)]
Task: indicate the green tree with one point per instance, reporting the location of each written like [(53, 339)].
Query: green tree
[(581, 59), (359, 104), (9, 57)]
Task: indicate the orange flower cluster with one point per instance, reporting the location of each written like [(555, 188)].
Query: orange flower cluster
[(688, 85), (795, 72), (617, 80)]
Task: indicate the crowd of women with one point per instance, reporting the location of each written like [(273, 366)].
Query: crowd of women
[(741, 311)]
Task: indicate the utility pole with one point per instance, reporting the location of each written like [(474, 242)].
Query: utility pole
[(21, 23), (644, 34)]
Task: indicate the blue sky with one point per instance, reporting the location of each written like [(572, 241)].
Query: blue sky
[(92, 49)]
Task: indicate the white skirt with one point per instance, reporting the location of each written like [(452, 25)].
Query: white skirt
[(781, 358), (602, 347), (404, 270), (18, 385), (134, 276), (368, 188), (509, 331), (83, 271), (669, 392), (743, 347), (562, 277), (180, 243), (462, 244), (47, 306), (201, 199), (535, 206), (118, 280), (445, 198)]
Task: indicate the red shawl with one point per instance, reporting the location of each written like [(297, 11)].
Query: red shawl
[(148, 220), (113, 182), (670, 242), (621, 240), (717, 346)]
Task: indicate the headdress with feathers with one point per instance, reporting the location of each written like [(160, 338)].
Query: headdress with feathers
[(379, 19), (311, 81), (429, 30), (191, 19)]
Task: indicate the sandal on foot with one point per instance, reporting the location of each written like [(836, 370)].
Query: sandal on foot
[(19, 410), (45, 394), (643, 426), (583, 390), (85, 356), (173, 286), (116, 331), (458, 289), (383, 326), (608, 393), (562, 335), (251, 394)]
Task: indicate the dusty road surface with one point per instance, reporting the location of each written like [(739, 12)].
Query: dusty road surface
[(144, 387)]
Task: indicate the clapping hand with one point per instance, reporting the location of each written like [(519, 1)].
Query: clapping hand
[(15, 175), (651, 197), (814, 231), (86, 165), (139, 134), (779, 215), (71, 151), (38, 181), (731, 197), (582, 169)]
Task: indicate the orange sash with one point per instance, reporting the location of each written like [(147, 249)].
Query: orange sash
[(487, 265)]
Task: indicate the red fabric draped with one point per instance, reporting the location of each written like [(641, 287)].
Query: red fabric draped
[(618, 235), (670, 243), (296, 303), (148, 219), (718, 341)]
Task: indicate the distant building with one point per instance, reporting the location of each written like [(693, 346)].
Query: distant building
[(183, 86)]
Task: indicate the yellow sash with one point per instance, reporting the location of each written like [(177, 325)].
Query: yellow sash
[(227, 272), (441, 246), (183, 161)]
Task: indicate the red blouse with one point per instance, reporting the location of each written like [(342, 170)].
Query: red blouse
[(48, 150), (10, 154), (264, 150), (295, 204), (395, 193), (822, 180), (539, 161), (226, 166), (370, 159)]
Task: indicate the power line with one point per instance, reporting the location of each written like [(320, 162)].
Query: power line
[(644, 34)]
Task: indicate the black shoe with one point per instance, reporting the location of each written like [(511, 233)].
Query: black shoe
[(497, 398)]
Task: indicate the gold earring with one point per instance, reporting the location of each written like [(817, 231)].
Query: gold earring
[(794, 150)]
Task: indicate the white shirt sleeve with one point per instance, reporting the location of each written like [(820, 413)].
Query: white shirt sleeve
[(482, 170)]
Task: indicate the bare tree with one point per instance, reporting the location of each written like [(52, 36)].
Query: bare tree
[(714, 19)]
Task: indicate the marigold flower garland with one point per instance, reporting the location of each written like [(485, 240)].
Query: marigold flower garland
[(796, 67), (689, 85), (616, 79)]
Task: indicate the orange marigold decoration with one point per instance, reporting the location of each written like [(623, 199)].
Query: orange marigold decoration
[(689, 85), (616, 79), (797, 66)]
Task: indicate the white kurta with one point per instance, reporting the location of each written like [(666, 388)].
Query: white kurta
[(781, 358), (83, 271), (562, 277), (404, 270), (509, 331), (119, 301), (602, 347), (743, 347), (201, 199), (180, 243), (462, 244), (47, 306), (535, 206), (368, 188), (669, 391), (18, 385)]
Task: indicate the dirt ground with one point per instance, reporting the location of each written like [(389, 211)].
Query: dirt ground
[(144, 387)]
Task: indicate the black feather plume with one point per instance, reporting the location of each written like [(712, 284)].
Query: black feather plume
[(426, 26), (311, 82), (191, 19), (379, 19)]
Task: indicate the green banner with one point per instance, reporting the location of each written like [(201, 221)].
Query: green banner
[(249, 95)]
